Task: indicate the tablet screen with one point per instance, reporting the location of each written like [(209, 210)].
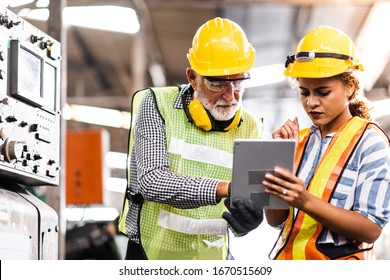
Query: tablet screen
[(252, 159)]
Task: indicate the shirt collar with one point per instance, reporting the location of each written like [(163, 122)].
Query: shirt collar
[(316, 130), (188, 91)]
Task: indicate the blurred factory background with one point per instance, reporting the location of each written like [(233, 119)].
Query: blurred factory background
[(103, 66)]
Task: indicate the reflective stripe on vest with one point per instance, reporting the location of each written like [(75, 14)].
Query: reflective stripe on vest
[(187, 225), (207, 155), (299, 236)]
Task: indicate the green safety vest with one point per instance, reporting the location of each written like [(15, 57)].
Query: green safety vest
[(167, 232)]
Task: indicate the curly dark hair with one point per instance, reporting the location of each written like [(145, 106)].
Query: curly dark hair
[(358, 105)]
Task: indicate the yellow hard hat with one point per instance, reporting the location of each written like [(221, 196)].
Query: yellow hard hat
[(221, 48), (323, 52)]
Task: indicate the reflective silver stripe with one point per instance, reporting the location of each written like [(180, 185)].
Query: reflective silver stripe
[(187, 225), (200, 153)]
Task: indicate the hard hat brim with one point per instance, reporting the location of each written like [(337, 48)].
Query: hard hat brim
[(319, 68)]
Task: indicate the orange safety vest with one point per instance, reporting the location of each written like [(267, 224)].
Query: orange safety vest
[(299, 237)]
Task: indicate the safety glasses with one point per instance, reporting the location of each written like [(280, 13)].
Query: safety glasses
[(223, 85)]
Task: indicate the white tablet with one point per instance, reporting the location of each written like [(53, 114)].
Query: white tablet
[(252, 159)]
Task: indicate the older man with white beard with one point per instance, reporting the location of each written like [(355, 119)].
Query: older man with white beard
[(180, 154)]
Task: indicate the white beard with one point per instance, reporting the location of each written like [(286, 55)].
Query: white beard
[(218, 110)]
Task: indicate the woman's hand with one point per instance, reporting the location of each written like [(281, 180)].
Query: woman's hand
[(349, 223), (289, 130), (287, 186)]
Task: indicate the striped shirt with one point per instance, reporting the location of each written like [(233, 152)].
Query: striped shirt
[(364, 185)]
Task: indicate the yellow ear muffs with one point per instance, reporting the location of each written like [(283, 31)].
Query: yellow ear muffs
[(199, 115), (235, 122), (202, 120)]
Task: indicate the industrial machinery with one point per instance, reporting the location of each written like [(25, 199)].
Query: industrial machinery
[(30, 65)]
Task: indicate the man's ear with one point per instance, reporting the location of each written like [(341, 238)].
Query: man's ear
[(191, 77)]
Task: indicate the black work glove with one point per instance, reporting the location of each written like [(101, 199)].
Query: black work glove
[(246, 216)]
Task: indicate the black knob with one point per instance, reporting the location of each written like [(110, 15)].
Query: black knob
[(36, 168), (34, 127), (12, 24), (37, 156), (11, 119), (35, 38)]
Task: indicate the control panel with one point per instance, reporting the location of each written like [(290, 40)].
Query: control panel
[(30, 65)]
